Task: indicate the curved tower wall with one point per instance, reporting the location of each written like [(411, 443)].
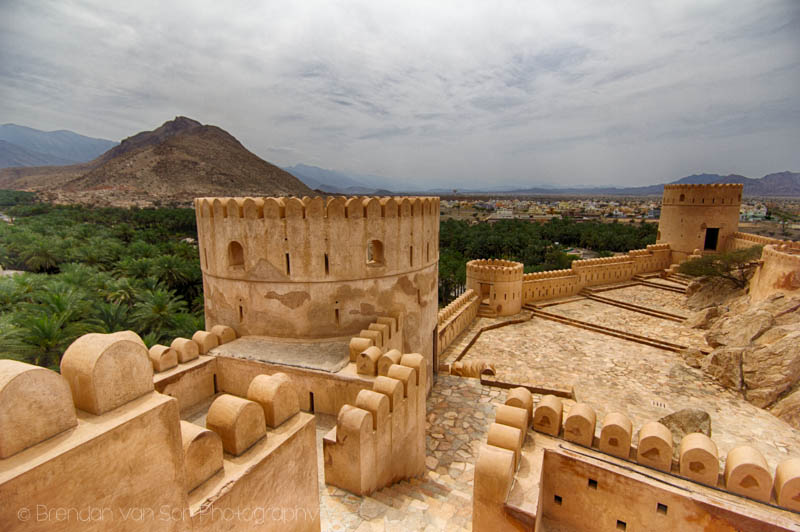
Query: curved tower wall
[(690, 213), (498, 284), (313, 269)]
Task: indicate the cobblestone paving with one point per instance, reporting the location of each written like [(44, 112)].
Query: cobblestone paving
[(654, 298), (459, 414), (630, 321)]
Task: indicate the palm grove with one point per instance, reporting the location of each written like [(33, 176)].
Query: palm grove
[(111, 269)]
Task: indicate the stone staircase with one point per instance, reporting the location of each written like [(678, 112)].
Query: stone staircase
[(486, 311), (644, 340), (645, 279), (631, 306)]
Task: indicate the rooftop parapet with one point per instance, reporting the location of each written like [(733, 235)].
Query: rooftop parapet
[(334, 207), (495, 270), (726, 194)]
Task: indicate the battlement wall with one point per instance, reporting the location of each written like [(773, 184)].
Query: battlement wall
[(728, 194), (540, 286), (379, 439), (288, 239), (100, 436), (456, 317), (745, 240), (571, 489)]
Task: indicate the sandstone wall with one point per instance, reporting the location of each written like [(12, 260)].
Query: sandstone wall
[(317, 269), (498, 284), (590, 495), (456, 317), (779, 272), (688, 210)]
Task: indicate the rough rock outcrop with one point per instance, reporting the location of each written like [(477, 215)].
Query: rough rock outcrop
[(693, 357), (702, 319), (725, 366), (739, 330), (770, 370), (788, 409)]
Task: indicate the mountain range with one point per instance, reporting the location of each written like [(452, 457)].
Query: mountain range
[(176, 162), (25, 146), (785, 184)]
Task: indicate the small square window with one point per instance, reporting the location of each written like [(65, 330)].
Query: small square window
[(557, 499), (593, 483), (661, 508), (621, 525)]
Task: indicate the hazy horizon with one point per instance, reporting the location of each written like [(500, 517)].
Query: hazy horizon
[(449, 95)]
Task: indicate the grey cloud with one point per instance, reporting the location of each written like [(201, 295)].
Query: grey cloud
[(437, 93)]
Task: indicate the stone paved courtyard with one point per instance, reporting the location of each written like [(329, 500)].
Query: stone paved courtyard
[(609, 373)]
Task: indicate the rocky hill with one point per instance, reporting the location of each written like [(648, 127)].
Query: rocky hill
[(174, 163)]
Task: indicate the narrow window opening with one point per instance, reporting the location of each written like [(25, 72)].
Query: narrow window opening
[(327, 265), (241, 314), (621, 525), (375, 253), (235, 255), (557, 499), (288, 265), (428, 252), (661, 508), (419, 297), (683, 197), (215, 383), (336, 311), (411, 255), (311, 402), (592, 483)]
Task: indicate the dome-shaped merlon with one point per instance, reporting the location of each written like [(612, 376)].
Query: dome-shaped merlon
[(406, 375), (579, 424), (202, 454), (513, 416), (521, 398), (699, 459), (186, 349), (418, 364), (386, 360), (493, 478), (391, 388), (105, 371), (391, 322), (375, 336), (746, 473), (163, 358), (547, 416), (655, 446), (616, 435), (206, 341), (223, 333), (367, 362), (35, 404), (239, 422), (787, 484), (505, 437), (358, 345), (276, 396), (383, 329)]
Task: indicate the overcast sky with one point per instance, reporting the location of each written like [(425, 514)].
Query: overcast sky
[(456, 94)]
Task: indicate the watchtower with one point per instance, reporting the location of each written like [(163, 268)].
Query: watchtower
[(698, 217), (317, 269)]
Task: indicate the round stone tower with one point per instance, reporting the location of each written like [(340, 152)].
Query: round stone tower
[(499, 285), (315, 269), (698, 217)]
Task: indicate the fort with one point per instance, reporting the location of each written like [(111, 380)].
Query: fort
[(330, 392)]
